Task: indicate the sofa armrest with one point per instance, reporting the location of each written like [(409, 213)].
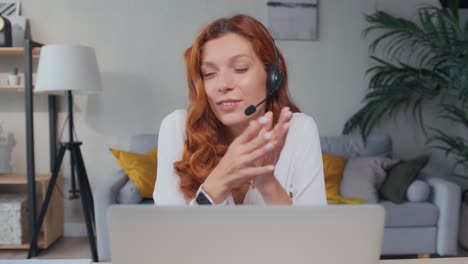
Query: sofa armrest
[(447, 197), (104, 196)]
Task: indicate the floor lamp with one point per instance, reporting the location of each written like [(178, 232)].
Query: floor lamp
[(67, 69)]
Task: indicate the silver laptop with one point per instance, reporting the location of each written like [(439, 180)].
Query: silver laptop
[(336, 234)]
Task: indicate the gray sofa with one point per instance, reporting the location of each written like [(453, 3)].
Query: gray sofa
[(429, 227)]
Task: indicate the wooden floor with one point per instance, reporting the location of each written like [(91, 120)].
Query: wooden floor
[(64, 248), (78, 248)]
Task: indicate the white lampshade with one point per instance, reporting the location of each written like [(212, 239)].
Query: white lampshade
[(67, 68)]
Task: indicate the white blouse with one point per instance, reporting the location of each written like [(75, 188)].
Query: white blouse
[(299, 169)]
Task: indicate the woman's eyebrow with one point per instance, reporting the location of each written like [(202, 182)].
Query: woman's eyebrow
[(208, 64), (233, 58)]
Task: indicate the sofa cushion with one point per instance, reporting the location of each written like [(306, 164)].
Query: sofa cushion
[(363, 176), (143, 143), (410, 214), (409, 241), (343, 146), (333, 169), (140, 168), (129, 194), (418, 191), (400, 177), (353, 145)]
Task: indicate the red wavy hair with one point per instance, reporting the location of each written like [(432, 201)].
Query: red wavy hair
[(206, 144)]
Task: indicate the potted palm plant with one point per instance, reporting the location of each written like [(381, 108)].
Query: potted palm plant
[(420, 61)]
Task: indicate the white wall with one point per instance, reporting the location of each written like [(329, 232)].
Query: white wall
[(139, 45)]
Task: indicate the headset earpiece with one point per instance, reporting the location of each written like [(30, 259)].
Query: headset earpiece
[(274, 76), (274, 79)]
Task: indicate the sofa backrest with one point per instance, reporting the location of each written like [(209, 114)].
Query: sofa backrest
[(349, 146), (143, 143), (345, 146)]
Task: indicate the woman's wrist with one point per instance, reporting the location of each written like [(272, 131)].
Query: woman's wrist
[(273, 192), (217, 190), (269, 184)]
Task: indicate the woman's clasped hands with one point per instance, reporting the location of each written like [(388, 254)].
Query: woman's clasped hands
[(252, 156)]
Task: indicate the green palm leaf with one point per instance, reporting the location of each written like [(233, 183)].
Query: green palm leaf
[(452, 146), (456, 114)]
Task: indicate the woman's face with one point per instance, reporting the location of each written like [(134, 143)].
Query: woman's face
[(234, 78)]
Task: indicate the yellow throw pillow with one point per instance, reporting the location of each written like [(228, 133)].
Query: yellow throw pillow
[(140, 168), (333, 167)]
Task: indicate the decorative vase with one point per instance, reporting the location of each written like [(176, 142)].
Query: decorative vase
[(14, 79)]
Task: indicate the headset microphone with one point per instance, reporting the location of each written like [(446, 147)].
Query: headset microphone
[(253, 108)]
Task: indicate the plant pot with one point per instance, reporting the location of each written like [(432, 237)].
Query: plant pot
[(14, 79), (464, 222), (5, 158)]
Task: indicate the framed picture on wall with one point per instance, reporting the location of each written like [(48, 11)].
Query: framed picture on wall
[(9, 7), (293, 19)]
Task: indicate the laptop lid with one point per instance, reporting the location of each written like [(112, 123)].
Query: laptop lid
[(336, 234)]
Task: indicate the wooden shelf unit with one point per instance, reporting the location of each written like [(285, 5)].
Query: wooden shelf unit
[(53, 224), (52, 228), (18, 52), (12, 87)]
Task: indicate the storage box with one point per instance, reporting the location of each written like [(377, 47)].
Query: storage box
[(13, 219)]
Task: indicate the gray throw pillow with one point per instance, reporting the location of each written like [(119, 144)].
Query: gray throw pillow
[(129, 194), (363, 176), (418, 191)]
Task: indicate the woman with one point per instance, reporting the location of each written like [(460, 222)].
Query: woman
[(214, 153)]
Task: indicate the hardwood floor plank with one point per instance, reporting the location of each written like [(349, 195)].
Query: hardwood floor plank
[(64, 248)]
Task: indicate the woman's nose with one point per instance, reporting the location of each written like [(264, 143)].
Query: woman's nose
[(226, 82)]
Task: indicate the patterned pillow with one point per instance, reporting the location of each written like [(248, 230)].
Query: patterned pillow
[(363, 176)]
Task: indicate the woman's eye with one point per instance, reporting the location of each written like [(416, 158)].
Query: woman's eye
[(208, 75), (241, 70)]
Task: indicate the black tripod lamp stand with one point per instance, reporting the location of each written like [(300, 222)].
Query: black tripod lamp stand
[(69, 68)]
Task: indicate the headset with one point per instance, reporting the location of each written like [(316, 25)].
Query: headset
[(274, 80)]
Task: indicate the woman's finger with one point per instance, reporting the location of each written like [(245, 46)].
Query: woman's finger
[(263, 137), (257, 143), (285, 116), (269, 115), (269, 125), (279, 143), (257, 153), (255, 171), (250, 133), (281, 139)]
